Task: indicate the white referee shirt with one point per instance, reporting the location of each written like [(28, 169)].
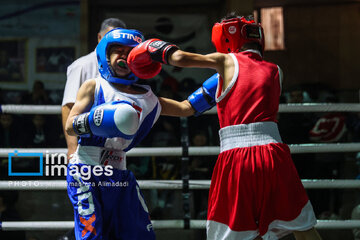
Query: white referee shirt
[(83, 68)]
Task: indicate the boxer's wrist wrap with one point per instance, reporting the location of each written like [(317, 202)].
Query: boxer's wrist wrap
[(81, 124), (160, 50)]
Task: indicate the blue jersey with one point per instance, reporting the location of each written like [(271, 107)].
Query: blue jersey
[(147, 105), (111, 206), (97, 150)]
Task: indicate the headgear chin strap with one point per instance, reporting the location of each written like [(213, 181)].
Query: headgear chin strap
[(231, 34), (117, 36)]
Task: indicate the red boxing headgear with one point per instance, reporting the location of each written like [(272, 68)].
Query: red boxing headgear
[(231, 34)]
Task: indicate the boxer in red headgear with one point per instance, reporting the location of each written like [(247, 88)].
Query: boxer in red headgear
[(230, 35), (255, 190)]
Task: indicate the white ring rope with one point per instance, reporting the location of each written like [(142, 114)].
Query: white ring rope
[(311, 107), (157, 224), (30, 109), (45, 185), (198, 151), (319, 107), (178, 184), (293, 107)]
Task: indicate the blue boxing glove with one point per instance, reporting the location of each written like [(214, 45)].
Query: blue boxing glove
[(204, 98), (113, 119)]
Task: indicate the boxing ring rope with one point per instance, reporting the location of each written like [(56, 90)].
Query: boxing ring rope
[(198, 151), (45, 185), (291, 108), (30, 109), (157, 224)]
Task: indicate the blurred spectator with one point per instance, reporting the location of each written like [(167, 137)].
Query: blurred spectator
[(355, 214), (56, 96), (41, 132), (11, 134), (2, 96), (169, 83), (38, 95), (328, 128), (9, 69), (294, 127), (353, 125), (357, 158), (35, 238), (8, 212), (70, 235), (59, 136), (169, 87), (166, 132), (187, 86), (12, 97), (201, 168), (140, 166), (164, 168), (207, 123)]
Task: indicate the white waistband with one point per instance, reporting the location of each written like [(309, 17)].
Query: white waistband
[(92, 155), (248, 135)]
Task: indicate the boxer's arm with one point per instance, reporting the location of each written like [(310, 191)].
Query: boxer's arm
[(83, 103), (155, 50), (71, 141), (111, 119), (170, 107), (75, 77), (222, 63)]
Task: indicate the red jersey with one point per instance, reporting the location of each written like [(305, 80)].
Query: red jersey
[(253, 93), (245, 197)]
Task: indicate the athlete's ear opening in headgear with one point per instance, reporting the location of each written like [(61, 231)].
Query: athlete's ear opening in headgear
[(233, 32), (117, 36)]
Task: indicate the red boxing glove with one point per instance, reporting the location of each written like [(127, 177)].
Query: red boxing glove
[(160, 50), (145, 59), (141, 63)]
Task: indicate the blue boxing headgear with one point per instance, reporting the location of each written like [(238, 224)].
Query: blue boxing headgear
[(117, 36)]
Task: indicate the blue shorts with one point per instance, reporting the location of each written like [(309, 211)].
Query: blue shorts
[(108, 207)]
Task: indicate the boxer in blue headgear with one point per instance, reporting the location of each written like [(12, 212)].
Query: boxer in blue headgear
[(117, 36), (112, 114), (112, 53)]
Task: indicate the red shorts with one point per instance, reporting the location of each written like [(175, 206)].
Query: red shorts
[(256, 191)]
